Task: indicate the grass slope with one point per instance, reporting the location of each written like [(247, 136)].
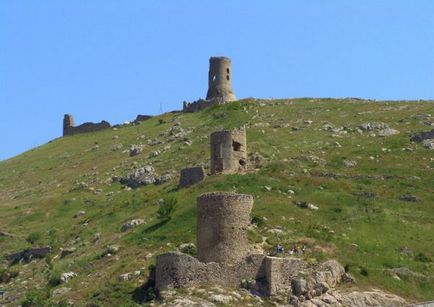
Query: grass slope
[(361, 220)]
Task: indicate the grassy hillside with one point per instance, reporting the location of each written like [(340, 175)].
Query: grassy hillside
[(361, 220)]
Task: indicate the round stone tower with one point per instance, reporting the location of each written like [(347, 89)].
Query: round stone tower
[(222, 221), (228, 151), (68, 124), (220, 79)]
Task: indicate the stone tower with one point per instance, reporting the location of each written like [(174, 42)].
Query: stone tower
[(68, 124), (222, 221), (220, 79), (228, 151)]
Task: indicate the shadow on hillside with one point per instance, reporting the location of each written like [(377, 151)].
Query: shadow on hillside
[(146, 292), (154, 227)]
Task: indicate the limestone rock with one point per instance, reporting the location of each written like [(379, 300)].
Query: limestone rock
[(65, 277), (350, 163), (142, 176), (135, 150), (131, 224), (165, 177), (429, 144)]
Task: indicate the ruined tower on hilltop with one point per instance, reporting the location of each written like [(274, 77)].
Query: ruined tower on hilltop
[(68, 124), (220, 79), (228, 151)]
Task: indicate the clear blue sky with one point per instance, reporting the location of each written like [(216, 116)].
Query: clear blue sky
[(112, 60)]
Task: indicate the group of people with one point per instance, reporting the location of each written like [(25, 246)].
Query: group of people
[(294, 249)]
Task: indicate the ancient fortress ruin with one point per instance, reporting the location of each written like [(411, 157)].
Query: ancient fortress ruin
[(219, 85), (70, 129), (228, 151), (223, 257)]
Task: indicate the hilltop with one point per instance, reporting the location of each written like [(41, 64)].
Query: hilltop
[(372, 190)]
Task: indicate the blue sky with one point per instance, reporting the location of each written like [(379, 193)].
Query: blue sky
[(112, 60)]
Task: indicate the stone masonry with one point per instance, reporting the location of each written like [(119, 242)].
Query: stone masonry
[(191, 175), (223, 256), (220, 79), (228, 151), (219, 86), (70, 129), (222, 222)]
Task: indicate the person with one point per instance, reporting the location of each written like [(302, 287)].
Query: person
[(279, 249)]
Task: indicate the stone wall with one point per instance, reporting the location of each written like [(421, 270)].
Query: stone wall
[(191, 175), (178, 270), (228, 151), (70, 129)]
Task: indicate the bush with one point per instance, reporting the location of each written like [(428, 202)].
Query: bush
[(421, 257), (54, 279), (33, 237), (35, 298), (166, 208), (259, 221)]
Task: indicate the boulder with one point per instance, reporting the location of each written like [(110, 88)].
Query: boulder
[(142, 176), (131, 224)]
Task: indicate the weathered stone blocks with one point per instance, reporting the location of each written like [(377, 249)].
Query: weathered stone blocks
[(228, 151), (69, 128), (220, 79), (222, 222), (191, 176)]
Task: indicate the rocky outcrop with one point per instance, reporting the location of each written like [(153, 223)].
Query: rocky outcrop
[(29, 254), (142, 176)]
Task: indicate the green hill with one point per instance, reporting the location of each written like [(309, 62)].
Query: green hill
[(306, 150)]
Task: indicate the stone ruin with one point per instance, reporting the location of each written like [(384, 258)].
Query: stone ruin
[(223, 219), (191, 176), (219, 85), (228, 151), (70, 129), (228, 156)]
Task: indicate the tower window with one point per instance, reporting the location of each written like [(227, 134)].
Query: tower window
[(236, 146), (227, 70), (227, 77)]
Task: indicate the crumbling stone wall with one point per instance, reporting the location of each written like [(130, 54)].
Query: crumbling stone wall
[(176, 270), (222, 222), (220, 79), (228, 151), (191, 175), (70, 129)]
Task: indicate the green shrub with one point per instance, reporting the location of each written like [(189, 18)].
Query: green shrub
[(54, 279), (33, 237), (35, 298), (421, 257), (259, 221), (166, 208)]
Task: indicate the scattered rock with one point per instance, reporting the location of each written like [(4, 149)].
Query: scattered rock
[(373, 126), (419, 137), (221, 299), (165, 177), (135, 150), (409, 198), (387, 132), (129, 276), (429, 144), (131, 224), (113, 249), (142, 176), (79, 213), (350, 163), (65, 277), (66, 251), (306, 205)]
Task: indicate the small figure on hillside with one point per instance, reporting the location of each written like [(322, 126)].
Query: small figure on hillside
[(279, 249)]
